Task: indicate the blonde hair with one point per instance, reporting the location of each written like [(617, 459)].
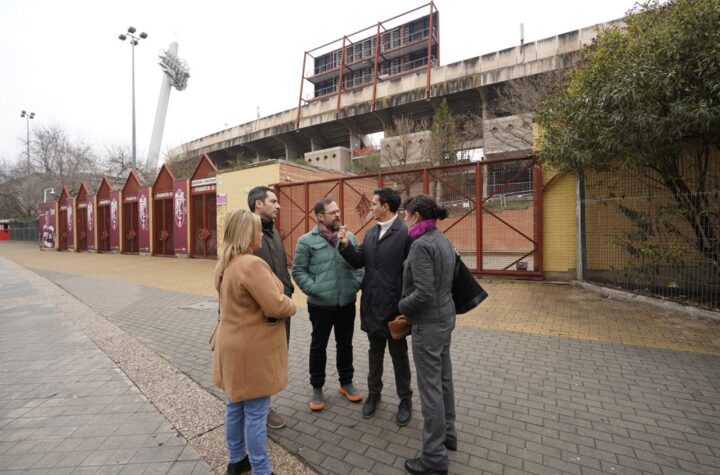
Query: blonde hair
[(241, 229)]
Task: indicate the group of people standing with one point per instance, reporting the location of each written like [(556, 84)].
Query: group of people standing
[(403, 266)]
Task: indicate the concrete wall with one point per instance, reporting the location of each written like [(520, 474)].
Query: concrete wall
[(335, 158), (508, 137), (412, 148)]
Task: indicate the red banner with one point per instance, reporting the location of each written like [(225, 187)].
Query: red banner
[(47, 225), (115, 221), (70, 216), (180, 216), (144, 219), (90, 226)]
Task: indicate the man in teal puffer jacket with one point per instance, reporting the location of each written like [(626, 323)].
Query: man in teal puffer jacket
[(331, 285)]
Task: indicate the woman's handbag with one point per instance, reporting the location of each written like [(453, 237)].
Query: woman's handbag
[(399, 327), (466, 292)]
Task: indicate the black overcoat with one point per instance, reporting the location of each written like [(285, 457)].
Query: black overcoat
[(383, 281)]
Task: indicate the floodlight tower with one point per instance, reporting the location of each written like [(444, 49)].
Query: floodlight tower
[(176, 74)]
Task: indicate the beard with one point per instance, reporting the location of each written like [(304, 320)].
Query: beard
[(335, 225)]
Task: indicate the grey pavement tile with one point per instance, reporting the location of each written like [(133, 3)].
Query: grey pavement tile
[(556, 404), (183, 467), (157, 454)]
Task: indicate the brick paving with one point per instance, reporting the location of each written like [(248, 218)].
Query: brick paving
[(65, 407), (549, 379)]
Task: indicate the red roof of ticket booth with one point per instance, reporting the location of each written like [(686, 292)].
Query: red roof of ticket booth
[(131, 184), (204, 169), (164, 180)]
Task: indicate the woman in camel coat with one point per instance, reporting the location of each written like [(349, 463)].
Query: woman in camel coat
[(251, 355)]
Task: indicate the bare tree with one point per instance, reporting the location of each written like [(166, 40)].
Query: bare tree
[(510, 111), (407, 142)]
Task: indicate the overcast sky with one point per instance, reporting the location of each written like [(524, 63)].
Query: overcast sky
[(62, 59)]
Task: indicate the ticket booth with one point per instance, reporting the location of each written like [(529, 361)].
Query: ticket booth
[(130, 220), (163, 213), (103, 222), (81, 218), (64, 215), (203, 221)]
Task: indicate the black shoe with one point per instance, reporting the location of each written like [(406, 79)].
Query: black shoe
[(404, 412), (239, 467), (370, 404), (450, 444), (417, 467)]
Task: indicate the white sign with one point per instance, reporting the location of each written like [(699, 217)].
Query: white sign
[(69, 218), (180, 210), (143, 213), (204, 181), (90, 216), (113, 214)]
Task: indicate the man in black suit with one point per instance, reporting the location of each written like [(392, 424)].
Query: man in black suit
[(382, 254)]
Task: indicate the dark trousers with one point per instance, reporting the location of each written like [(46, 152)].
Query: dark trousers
[(401, 364), (323, 320), (433, 368)]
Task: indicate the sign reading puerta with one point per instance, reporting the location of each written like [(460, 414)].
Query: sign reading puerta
[(180, 216), (115, 221), (144, 219)]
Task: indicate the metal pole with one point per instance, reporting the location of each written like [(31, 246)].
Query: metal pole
[(132, 43), (27, 123)]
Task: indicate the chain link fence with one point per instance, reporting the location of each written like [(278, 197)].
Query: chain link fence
[(642, 238), (24, 231)]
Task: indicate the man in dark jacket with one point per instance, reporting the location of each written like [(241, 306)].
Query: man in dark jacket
[(382, 253), (263, 202)]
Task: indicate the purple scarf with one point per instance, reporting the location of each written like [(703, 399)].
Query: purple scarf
[(418, 229), (328, 234)]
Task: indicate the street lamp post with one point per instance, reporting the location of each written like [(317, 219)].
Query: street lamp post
[(27, 116), (45, 191), (134, 40)]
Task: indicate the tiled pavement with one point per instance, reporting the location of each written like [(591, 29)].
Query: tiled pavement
[(527, 400), (65, 407)]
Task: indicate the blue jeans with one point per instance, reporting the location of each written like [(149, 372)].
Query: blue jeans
[(246, 432)]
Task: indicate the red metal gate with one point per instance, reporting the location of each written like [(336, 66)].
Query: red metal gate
[(81, 224), (103, 225), (204, 233), (495, 209), (163, 227), (62, 229), (130, 226)]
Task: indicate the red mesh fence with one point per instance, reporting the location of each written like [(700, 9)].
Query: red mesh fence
[(495, 209)]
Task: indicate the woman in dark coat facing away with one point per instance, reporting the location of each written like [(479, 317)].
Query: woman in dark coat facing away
[(428, 305)]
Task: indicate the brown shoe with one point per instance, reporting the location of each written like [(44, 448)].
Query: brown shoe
[(275, 420), (351, 392)]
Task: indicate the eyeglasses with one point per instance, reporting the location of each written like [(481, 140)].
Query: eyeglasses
[(336, 212)]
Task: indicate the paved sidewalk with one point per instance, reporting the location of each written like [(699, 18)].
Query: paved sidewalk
[(65, 407), (549, 379)]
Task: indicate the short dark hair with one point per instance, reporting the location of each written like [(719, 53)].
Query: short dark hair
[(426, 207), (257, 193), (319, 207), (389, 197)]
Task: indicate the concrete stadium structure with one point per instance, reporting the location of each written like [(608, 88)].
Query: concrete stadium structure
[(467, 85)]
